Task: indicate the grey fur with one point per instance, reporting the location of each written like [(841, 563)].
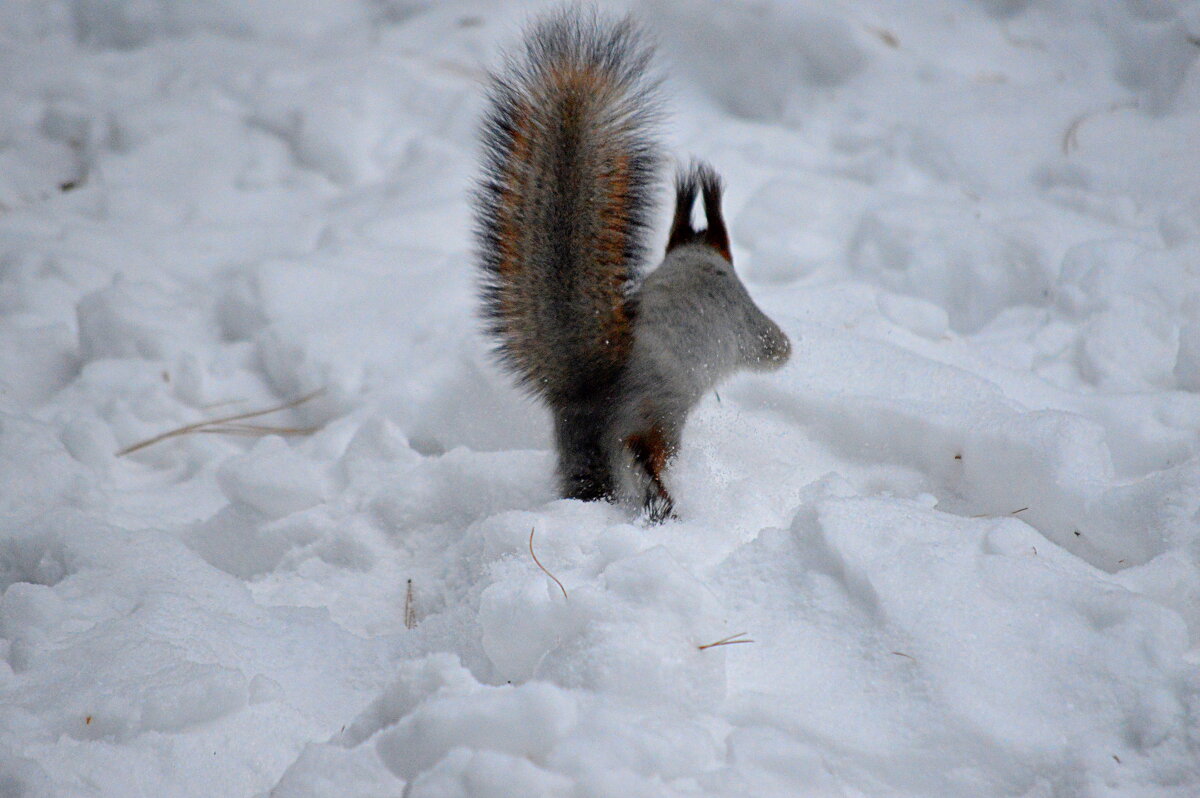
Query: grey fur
[(696, 326)]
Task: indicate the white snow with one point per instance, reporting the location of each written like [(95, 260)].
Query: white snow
[(961, 528)]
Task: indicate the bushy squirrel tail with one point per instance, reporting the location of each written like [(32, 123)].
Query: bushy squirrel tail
[(563, 210)]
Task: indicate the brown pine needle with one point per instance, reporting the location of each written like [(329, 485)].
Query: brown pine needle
[(884, 35), (547, 573), (225, 403), (410, 608), (1071, 137), (257, 429), (222, 425), (732, 640), (992, 515)]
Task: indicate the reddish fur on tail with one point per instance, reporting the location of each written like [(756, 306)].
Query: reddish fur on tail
[(563, 208)]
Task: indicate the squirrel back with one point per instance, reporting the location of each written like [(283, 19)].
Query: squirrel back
[(563, 212), (565, 202)]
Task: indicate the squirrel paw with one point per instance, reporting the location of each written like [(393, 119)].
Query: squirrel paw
[(660, 508)]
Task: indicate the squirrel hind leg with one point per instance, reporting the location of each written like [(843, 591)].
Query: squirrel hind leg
[(652, 450)]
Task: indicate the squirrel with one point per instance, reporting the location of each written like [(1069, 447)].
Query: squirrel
[(563, 213)]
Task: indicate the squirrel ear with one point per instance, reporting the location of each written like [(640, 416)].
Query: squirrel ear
[(682, 231), (716, 236)]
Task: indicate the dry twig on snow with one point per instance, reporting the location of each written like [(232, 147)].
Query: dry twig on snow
[(546, 572), (732, 640), (227, 425)]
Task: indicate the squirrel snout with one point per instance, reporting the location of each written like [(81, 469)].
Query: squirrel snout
[(776, 350)]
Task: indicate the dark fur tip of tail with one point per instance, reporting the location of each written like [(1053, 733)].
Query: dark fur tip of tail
[(699, 179)]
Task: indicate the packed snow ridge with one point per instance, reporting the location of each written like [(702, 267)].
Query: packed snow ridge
[(961, 528)]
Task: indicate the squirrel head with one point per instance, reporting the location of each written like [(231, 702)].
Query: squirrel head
[(760, 343)]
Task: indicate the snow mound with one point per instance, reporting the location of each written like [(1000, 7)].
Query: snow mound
[(946, 256), (274, 523)]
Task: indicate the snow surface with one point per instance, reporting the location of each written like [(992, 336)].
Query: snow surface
[(962, 527)]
